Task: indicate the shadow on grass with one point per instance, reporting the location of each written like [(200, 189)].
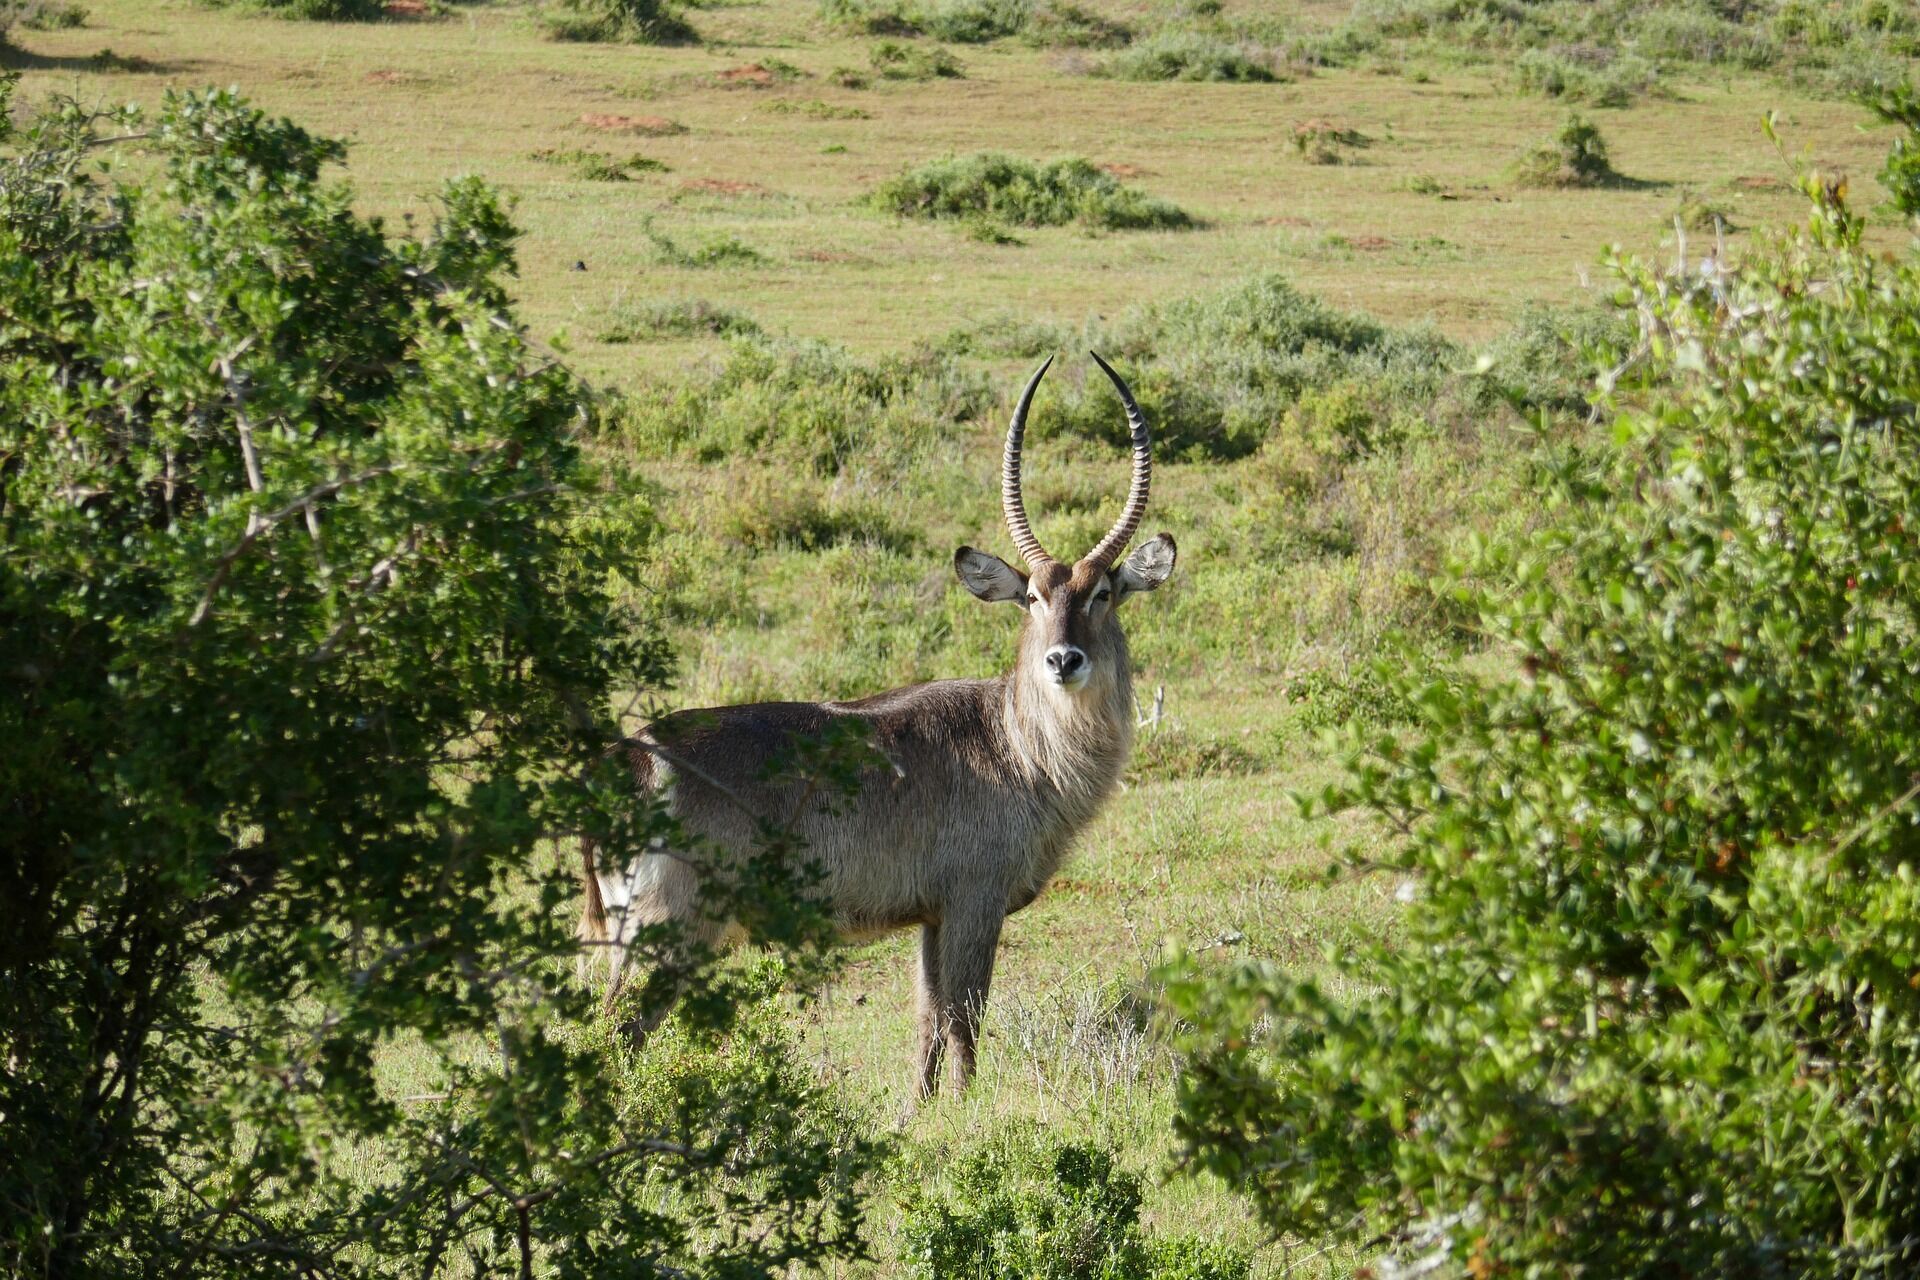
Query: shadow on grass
[(14, 58)]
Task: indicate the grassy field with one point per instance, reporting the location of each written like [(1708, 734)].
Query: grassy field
[(803, 580)]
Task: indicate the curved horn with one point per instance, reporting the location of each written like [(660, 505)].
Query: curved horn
[(1136, 509), (1016, 512)]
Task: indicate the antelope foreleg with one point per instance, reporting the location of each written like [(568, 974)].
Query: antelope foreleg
[(967, 947)]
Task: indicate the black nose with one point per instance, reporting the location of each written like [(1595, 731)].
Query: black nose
[(1064, 662)]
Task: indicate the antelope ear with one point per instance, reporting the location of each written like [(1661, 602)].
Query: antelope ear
[(989, 577), (1150, 565)]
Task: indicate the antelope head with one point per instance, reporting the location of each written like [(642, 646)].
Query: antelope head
[(1071, 638)]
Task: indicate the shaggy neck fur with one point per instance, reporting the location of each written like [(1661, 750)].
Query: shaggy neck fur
[(1078, 742)]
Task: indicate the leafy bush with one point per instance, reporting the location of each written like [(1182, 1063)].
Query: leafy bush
[(725, 250), (1037, 1211), (1652, 1011), (1601, 78), (598, 166), (1008, 189), (306, 612), (1319, 141), (679, 318), (616, 22), (324, 10), (805, 402), (894, 61), (41, 15), (1060, 24), (1218, 373), (1576, 156), (1174, 54)]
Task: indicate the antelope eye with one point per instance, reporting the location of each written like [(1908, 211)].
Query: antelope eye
[(1103, 593)]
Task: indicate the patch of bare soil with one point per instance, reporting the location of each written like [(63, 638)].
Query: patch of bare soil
[(1282, 220), (752, 74), (1756, 182), (1125, 171), (1369, 244), (407, 9), (648, 126)]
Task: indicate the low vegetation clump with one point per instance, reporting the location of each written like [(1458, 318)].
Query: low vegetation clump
[(1652, 1010), (316, 10), (616, 22), (1175, 54), (679, 318), (1575, 156), (1219, 373), (722, 250), (40, 15), (1008, 189), (1325, 142), (1038, 1211), (598, 166), (815, 109), (1598, 77), (1047, 23), (807, 403), (892, 60)]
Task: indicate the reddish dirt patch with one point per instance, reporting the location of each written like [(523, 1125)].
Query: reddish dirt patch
[(650, 126), (387, 77), (1282, 220), (725, 187), (1755, 183), (406, 8), (1369, 244), (751, 73), (1124, 171)]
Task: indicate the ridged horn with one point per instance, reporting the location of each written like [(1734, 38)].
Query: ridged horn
[(1136, 509), (1016, 512)]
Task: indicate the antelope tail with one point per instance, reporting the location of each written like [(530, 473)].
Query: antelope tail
[(593, 913)]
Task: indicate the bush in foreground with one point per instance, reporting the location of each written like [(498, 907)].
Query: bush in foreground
[(306, 615), (1008, 189), (1651, 1011), (1040, 1211)]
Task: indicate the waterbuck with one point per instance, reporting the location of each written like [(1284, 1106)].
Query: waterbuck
[(990, 781)]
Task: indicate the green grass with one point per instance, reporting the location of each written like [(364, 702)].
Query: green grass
[(814, 390)]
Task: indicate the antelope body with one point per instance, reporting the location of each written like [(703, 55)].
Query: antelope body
[(991, 780)]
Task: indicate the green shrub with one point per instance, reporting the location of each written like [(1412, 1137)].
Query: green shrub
[(41, 15), (805, 402), (1008, 189), (1217, 373), (1548, 356), (1174, 54), (1036, 1211), (1324, 142), (680, 318), (723, 250), (1576, 156), (973, 21), (1603, 80), (895, 61), (598, 166), (1651, 1011), (1060, 24), (323, 10), (616, 22)]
